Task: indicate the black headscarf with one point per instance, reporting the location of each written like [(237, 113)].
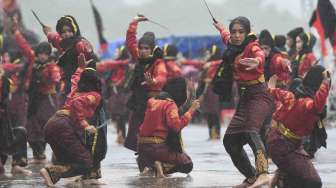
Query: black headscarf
[(43, 47), (215, 53), (170, 52), (123, 53), (309, 85), (71, 22), (148, 38), (309, 41), (293, 34), (176, 89), (89, 81)]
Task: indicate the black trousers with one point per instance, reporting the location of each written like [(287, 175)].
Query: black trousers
[(234, 144)]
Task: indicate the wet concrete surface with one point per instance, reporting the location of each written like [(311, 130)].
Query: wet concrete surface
[(212, 166)]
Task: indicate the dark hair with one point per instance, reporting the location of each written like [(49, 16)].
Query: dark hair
[(215, 53), (170, 51), (68, 21), (123, 53), (280, 41), (148, 38), (314, 78), (177, 89), (295, 32), (43, 47), (89, 81), (265, 38), (243, 21), (308, 40)]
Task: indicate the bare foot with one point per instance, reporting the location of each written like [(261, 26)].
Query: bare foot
[(21, 170), (147, 171), (74, 179), (159, 170), (46, 177), (263, 179), (274, 179)]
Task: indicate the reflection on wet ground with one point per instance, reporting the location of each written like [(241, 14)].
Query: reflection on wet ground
[(212, 166)]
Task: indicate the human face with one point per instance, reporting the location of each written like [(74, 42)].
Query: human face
[(5, 58), (42, 57), (144, 51), (289, 42), (266, 49), (67, 32), (237, 34), (299, 44)]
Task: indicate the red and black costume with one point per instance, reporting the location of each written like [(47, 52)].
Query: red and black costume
[(162, 120), (169, 56), (140, 91), (291, 35), (42, 93), (65, 129), (71, 48), (305, 58), (295, 117), (254, 105)]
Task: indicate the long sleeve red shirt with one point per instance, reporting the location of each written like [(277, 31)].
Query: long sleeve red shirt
[(308, 60), (299, 115), (173, 70), (82, 105), (252, 50), (157, 70), (279, 67), (83, 46), (117, 66), (51, 73), (162, 116)]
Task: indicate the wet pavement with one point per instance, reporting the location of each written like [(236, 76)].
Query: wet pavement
[(212, 166)]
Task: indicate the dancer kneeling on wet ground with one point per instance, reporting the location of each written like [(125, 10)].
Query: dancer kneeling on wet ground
[(243, 62), (296, 116), (65, 128), (161, 117)]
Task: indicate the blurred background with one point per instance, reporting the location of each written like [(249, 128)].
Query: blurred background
[(187, 17)]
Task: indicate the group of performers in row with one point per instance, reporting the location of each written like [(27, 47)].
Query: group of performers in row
[(63, 99)]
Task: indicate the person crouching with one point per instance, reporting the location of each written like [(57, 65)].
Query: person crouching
[(162, 118)]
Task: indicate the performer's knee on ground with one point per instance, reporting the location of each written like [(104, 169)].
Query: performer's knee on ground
[(186, 168), (313, 184), (20, 134)]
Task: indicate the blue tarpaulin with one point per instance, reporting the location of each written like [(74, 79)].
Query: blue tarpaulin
[(190, 46)]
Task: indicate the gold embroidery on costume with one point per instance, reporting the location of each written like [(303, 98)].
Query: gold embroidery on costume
[(92, 99), (261, 162), (173, 114), (155, 105)]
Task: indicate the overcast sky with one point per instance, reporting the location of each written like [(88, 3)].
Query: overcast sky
[(174, 13)]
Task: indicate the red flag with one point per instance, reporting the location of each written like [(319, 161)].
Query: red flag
[(316, 23), (324, 21)]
